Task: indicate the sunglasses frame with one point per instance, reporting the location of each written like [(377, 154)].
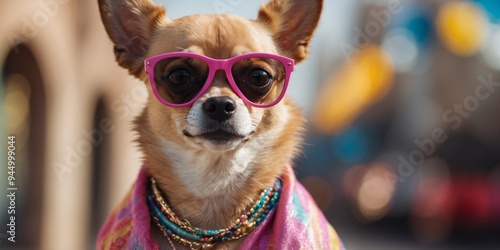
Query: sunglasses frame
[(215, 65)]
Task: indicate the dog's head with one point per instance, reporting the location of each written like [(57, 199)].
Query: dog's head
[(215, 131), (218, 119)]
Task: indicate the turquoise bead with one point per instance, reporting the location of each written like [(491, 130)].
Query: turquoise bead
[(266, 204)]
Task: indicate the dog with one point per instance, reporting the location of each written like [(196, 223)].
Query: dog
[(217, 132)]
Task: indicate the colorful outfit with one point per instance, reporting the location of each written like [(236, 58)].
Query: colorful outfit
[(296, 223)]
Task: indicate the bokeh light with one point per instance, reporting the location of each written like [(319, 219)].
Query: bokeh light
[(431, 215), (491, 50), (375, 192), (492, 8), (364, 80), (351, 146), (16, 102), (462, 27), (16, 108), (409, 36), (402, 47)]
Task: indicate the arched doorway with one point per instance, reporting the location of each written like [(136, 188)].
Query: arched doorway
[(101, 140), (23, 116)]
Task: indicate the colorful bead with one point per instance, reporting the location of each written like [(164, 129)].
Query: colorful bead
[(195, 238)]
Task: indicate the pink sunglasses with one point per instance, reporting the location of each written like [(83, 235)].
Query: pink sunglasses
[(178, 79)]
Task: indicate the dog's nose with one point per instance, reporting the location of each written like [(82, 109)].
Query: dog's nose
[(219, 108)]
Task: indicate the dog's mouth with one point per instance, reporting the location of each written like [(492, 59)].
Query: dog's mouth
[(219, 136)]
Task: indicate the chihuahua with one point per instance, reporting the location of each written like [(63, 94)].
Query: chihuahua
[(218, 133)]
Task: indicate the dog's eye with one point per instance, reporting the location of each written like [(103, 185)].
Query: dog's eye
[(259, 78), (179, 77)]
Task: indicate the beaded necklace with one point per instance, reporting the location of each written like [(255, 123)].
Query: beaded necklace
[(195, 238)]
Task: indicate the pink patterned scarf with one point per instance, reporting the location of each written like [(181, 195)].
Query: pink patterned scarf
[(297, 223)]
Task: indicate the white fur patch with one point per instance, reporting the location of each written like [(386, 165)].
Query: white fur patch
[(207, 174)]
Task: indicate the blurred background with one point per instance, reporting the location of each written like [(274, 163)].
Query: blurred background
[(403, 98)]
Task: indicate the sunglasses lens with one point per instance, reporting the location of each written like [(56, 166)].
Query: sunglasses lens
[(179, 79), (260, 79)]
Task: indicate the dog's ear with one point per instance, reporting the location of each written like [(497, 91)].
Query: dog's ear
[(130, 25), (292, 23)]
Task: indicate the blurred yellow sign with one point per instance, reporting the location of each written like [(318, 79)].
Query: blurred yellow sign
[(364, 80), (462, 27)]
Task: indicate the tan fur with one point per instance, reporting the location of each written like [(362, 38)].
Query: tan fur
[(174, 159), (293, 24)]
